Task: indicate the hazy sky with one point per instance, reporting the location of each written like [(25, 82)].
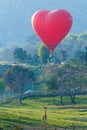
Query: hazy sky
[(15, 15)]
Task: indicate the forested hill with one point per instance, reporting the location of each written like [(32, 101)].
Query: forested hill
[(15, 17), (73, 45)]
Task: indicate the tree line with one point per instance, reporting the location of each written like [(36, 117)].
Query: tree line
[(51, 79), (73, 46)]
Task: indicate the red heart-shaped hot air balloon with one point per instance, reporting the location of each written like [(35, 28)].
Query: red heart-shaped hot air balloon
[(51, 26)]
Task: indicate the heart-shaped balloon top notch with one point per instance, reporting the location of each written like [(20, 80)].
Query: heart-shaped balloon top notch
[(51, 26)]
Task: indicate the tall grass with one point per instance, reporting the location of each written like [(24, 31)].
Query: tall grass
[(31, 111)]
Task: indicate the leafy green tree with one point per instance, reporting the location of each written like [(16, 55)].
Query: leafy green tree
[(20, 55), (49, 77), (65, 80), (35, 59), (2, 86), (17, 77), (63, 55), (43, 53), (84, 56), (79, 54)]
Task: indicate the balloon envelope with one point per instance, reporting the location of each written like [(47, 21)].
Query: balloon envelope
[(51, 26)]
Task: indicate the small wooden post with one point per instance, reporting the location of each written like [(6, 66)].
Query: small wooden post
[(45, 114), (44, 117)]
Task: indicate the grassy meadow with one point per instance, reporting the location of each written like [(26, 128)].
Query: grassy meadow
[(31, 111)]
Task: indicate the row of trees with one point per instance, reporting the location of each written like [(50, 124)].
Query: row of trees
[(43, 56), (64, 79), (73, 46)]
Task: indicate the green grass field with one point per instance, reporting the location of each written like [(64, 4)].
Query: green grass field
[(32, 110)]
